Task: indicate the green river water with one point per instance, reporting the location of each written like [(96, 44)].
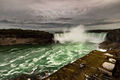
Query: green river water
[(29, 59), (15, 60)]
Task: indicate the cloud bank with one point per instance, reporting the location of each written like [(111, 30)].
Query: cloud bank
[(53, 9)]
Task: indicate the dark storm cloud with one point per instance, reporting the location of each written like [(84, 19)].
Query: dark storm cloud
[(13, 8), (54, 9), (111, 11)]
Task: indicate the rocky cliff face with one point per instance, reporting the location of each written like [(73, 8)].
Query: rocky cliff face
[(18, 36), (113, 36), (112, 40)]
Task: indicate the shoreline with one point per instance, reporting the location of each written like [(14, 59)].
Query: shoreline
[(22, 37)]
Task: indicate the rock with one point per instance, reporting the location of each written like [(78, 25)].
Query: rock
[(82, 65), (28, 79), (18, 37), (105, 71), (107, 54), (108, 66), (112, 60), (112, 40), (116, 70), (113, 36), (102, 50), (109, 45)]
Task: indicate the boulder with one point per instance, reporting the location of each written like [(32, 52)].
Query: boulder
[(112, 60), (108, 54), (108, 66)]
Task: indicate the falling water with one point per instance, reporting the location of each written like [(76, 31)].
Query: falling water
[(78, 34)]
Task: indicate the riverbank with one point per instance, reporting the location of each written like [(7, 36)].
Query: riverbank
[(22, 37), (112, 40)]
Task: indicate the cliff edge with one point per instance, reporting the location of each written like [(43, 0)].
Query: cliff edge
[(112, 40), (20, 37)]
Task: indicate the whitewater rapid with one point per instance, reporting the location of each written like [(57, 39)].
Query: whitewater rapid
[(16, 60)]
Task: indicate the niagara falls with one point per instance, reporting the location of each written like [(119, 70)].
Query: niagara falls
[(59, 40)]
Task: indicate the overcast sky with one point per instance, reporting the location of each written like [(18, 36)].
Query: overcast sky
[(54, 9)]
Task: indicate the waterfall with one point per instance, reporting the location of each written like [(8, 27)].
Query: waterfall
[(96, 37), (78, 34)]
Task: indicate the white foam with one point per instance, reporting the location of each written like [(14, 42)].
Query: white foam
[(78, 34), (35, 60), (13, 65), (31, 64), (103, 50), (21, 65)]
